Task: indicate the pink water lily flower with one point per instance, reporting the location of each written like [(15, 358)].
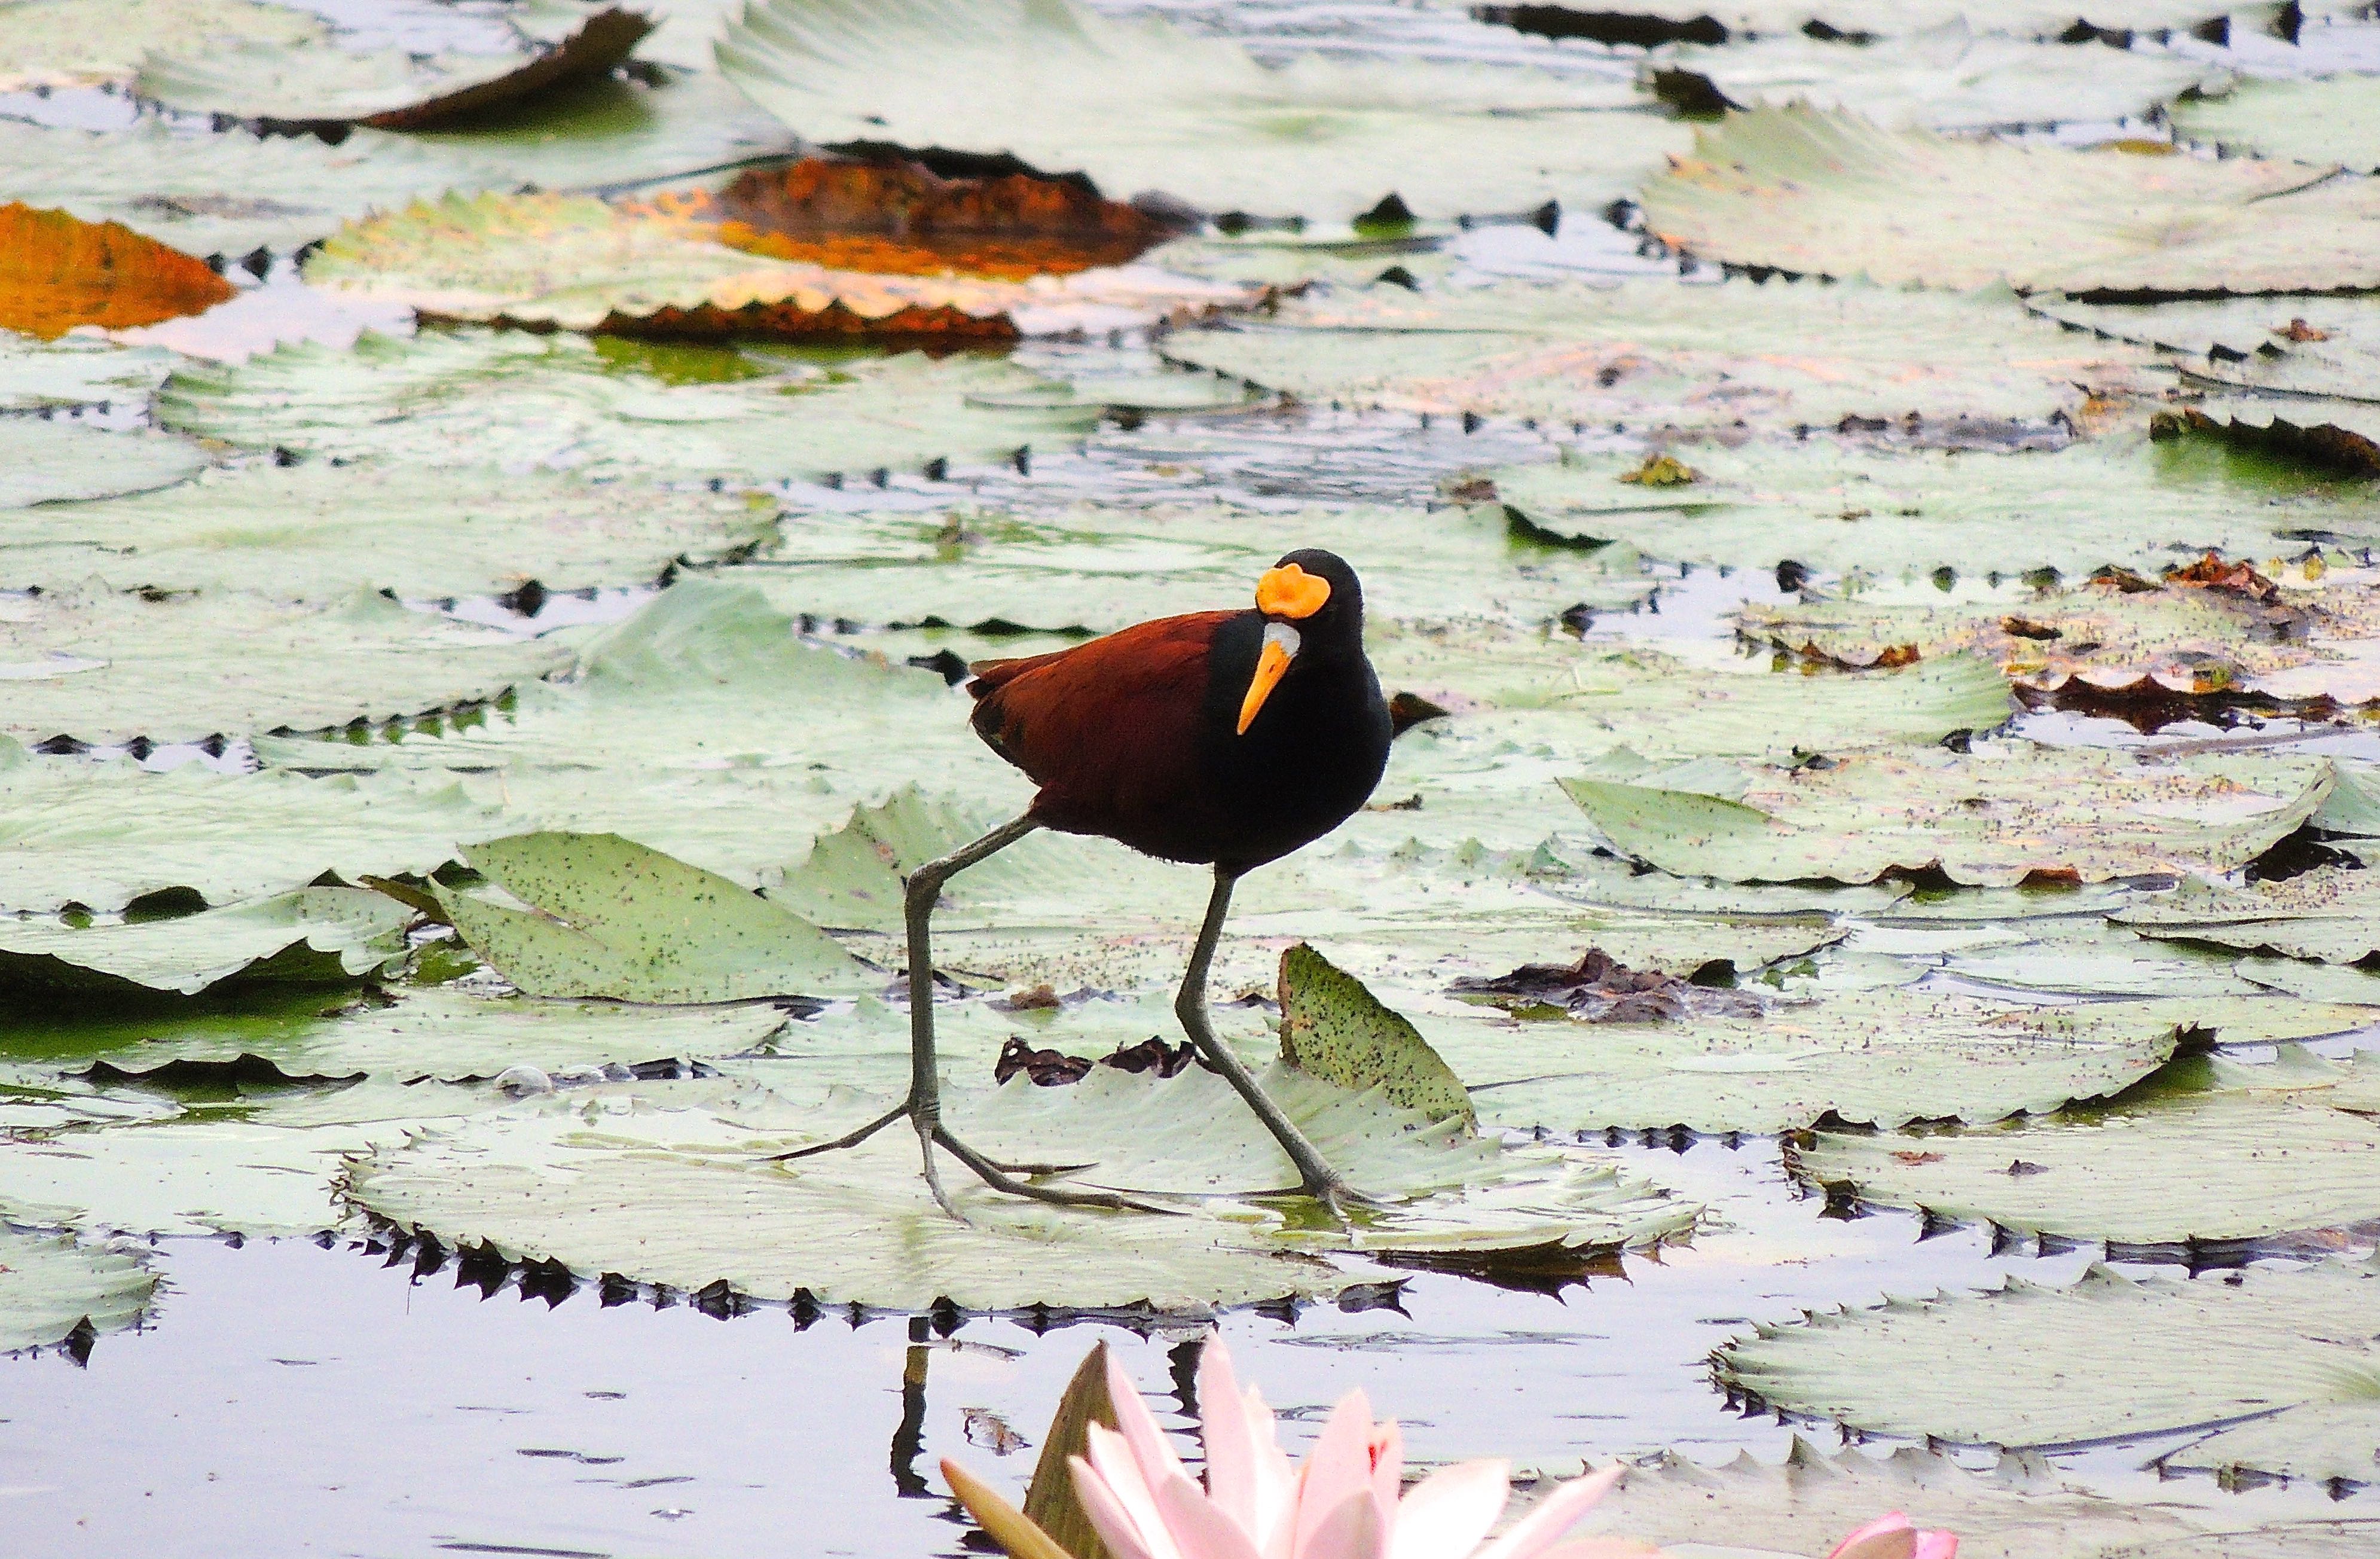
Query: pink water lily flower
[(1894, 1536), (1345, 1502)]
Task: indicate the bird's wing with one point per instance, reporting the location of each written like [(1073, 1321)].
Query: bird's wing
[(1108, 724)]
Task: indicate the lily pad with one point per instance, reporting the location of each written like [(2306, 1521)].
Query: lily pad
[(1884, 1057), (401, 1032), (612, 409), (2018, 1509), (2329, 914), (1995, 815), (2223, 1164), (50, 462), (308, 84), (53, 1287), (1862, 22), (58, 271), (319, 533), (543, 261), (315, 936), (1649, 355), (1950, 74), (608, 916), (77, 371), (1835, 506), (1831, 194), (88, 42), (858, 1227), (2289, 1345), (1139, 105), (1334, 1028), (2325, 122), (103, 665), (2118, 634), (102, 834), (2286, 347)]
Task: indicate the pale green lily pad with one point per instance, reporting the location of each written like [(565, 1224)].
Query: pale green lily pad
[(1884, 1057), (2226, 1164), (102, 834), (702, 727), (101, 665), (317, 82), (318, 532), (1831, 194), (547, 1182), (265, 1168), (1992, 816), (1898, 18), (1138, 105), (449, 1033), (1106, 567), (75, 370), (608, 409), (2315, 982), (52, 1285), (541, 261), (1646, 355), (609, 916), (315, 936), (2325, 122), (2019, 1509), (226, 193), (2329, 914), (662, 127), (2113, 636), (1836, 507), (2282, 346), (86, 42), (2087, 956), (2320, 1441), (50, 462), (1334, 1028), (1945, 76), (2157, 1355)]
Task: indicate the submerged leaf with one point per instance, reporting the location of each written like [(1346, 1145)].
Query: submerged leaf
[(57, 272), (2154, 1356), (610, 918), (1334, 1028)]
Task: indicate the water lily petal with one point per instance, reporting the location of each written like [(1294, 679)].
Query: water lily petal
[(1338, 1468), (1350, 1529), (1108, 1519), (1204, 1529), (1542, 1527), (1139, 1429), (1276, 1477), (1937, 1545), (1450, 1512), (1388, 1449), (1889, 1536), (1111, 1458), (1228, 1432)]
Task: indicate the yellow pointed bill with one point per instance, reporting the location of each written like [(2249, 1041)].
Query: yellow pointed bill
[(1272, 662)]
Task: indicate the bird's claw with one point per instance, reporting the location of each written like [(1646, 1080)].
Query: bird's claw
[(1000, 1176)]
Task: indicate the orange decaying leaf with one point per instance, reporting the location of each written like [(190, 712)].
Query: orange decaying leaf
[(57, 272), (902, 219)]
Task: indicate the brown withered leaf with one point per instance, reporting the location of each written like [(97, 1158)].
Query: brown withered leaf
[(1598, 989), (1054, 1068), (2232, 578), (57, 272), (903, 219)]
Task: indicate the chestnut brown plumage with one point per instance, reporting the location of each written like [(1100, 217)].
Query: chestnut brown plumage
[(1220, 739)]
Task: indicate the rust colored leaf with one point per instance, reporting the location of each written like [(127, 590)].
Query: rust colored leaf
[(789, 322), (901, 219), (2232, 578), (1896, 656), (57, 272)]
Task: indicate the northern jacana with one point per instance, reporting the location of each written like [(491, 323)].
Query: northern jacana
[(1220, 738)]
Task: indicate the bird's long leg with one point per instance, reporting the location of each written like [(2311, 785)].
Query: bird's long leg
[(1315, 1177), (923, 1108)]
